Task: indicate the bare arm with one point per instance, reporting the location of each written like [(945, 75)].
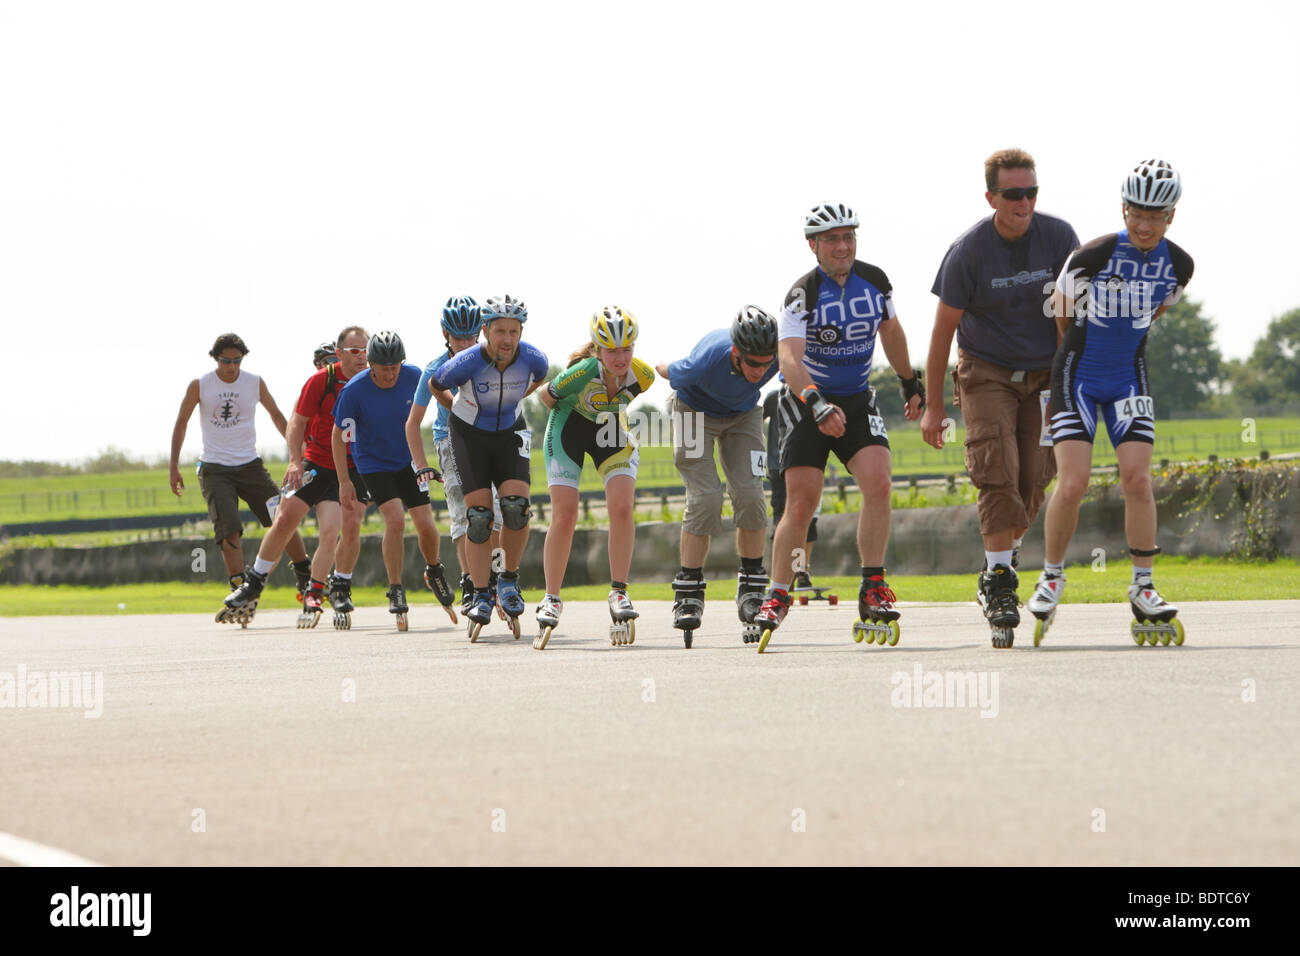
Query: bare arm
[(188, 404), (347, 493), (277, 416), (662, 370), (294, 435), (414, 440), (946, 320)]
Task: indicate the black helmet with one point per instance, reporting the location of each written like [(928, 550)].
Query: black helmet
[(386, 348), (325, 355), (754, 332)]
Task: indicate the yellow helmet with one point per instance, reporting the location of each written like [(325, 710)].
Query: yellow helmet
[(613, 328)]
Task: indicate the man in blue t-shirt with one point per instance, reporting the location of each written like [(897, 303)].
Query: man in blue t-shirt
[(828, 332), (370, 414), (716, 399)]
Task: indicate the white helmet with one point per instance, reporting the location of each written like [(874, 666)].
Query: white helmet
[(1153, 184), (828, 216)]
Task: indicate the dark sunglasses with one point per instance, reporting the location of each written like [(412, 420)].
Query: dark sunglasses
[(1018, 193), (758, 363), (231, 361)]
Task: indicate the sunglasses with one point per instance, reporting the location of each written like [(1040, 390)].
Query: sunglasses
[(353, 350), (231, 361), (1018, 193), (757, 363)]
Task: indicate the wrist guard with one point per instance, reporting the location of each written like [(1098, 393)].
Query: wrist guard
[(819, 407), (913, 386)]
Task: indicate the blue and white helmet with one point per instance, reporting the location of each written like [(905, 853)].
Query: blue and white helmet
[(503, 307), (461, 317), (1153, 184), (828, 216)]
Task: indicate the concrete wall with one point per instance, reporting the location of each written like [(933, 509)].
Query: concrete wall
[(924, 541)]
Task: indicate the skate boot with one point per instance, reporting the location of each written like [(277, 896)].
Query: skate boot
[(302, 572), (509, 599), (770, 616), (1043, 603), (548, 618), (750, 588), (802, 582), (480, 612), (1155, 619), (493, 574), (436, 581), (340, 597), (877, 617), (688, 604), (1001, 603), (241, 604), (623, 615), (397, 605), (309, 617), (466, 593)]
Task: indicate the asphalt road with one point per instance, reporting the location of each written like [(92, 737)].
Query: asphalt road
[(270, 745)]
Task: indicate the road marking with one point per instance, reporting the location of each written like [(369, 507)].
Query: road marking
[(26, 853)]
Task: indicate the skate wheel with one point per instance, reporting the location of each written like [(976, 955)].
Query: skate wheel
[(803, 600), (619, 634), (1003, 637), (1040, 631), (833, 599), (894, 633), (1179, 633), (474, 628), (451, 611), (762, 641), (401, 622), (631, 632), (342, 621), (539, 642), (514, 627), (858, 632), (687, 637)]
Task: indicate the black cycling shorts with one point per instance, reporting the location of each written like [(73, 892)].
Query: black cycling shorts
[(325, 485), (485, 459), (387, 485), (804, 445)]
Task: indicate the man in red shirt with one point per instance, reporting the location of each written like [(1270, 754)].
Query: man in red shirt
[(311, 480)]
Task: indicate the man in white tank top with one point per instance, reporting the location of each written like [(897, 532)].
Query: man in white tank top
[(229, 467)]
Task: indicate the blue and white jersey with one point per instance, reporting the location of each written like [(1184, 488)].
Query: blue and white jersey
[(838, 325), (423, 396), (1113, 290), (494, 397)]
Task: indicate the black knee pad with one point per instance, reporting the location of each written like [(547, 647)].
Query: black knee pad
[(515, 512), (479, 523)]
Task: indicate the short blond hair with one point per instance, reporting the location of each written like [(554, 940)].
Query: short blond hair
[(1005, 159)]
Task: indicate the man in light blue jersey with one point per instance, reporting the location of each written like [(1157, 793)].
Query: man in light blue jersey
[(828, 333), (461, 324)]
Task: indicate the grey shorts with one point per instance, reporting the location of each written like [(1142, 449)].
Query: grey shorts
[(224, 485), (742, 450)]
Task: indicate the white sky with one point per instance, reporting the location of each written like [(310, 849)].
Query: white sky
[(171, 171)]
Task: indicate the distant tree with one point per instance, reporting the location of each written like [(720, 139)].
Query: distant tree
[(1271, 376), (113, 460), (888, 397), (1184, 365)]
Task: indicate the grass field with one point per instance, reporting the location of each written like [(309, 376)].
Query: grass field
[(146, 492), (1179, 579)]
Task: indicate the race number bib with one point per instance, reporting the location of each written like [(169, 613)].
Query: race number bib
[(1135, 406), (525, 442), (877, 426), (1045, 433), (758, 463)]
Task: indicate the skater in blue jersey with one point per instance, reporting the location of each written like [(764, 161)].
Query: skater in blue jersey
[(827, 336), (1109, 293)]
